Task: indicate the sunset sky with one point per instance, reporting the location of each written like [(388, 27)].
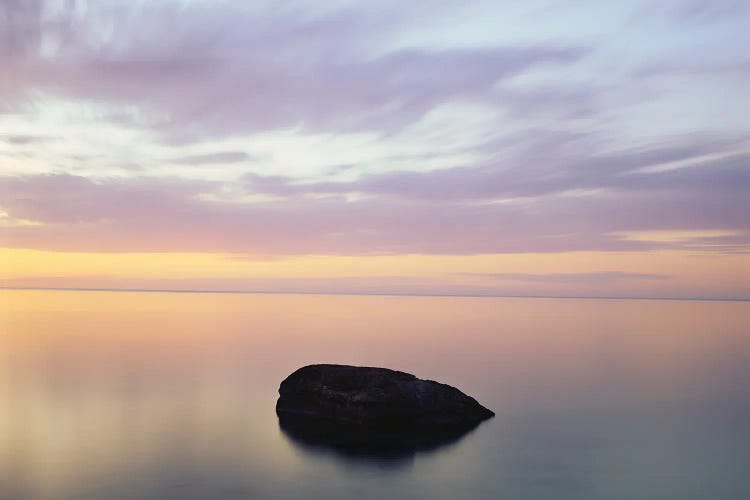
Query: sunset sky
[(566, 148)]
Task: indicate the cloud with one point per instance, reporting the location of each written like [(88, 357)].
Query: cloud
[(692, 69), (210, 158), (580, 278), (438, 142), (142, 214), (236, 69), (534, 175), (23, 139), (709, 10), (68, 199)]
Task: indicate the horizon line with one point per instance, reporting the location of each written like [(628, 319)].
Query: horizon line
[(376, 294)]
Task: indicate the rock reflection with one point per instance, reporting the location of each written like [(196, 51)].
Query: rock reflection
[(368, 446)]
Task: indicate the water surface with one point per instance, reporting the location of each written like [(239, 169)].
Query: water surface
[(109, 395)]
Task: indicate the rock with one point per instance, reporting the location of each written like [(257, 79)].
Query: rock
[(353, 398)]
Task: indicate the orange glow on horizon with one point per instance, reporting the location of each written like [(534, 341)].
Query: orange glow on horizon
[(684, 273)]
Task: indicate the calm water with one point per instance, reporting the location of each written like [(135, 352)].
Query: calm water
[(107, 395)]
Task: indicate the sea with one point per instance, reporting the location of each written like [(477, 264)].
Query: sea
[(156, 395)]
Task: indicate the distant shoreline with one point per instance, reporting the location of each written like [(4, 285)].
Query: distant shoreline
[(374, 294)]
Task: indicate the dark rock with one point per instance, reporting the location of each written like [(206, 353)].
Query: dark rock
[(379, 400)]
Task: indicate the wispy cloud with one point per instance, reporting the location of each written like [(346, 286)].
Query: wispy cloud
[(235, 68), (350, 128), (548, 174), (167, 214), (571, 278), (215, 158), (23, 140), (709, 10)]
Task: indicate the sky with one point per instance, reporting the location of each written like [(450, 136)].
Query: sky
[(535, 147)]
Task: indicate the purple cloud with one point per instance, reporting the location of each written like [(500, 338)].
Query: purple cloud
[(555, 164), (24, 139), (580, 278), (709, 10), (230, 70), (543, 174), (220, 157), (143, 215)]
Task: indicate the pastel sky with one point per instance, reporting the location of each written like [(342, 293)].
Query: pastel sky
[(529, 147)]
